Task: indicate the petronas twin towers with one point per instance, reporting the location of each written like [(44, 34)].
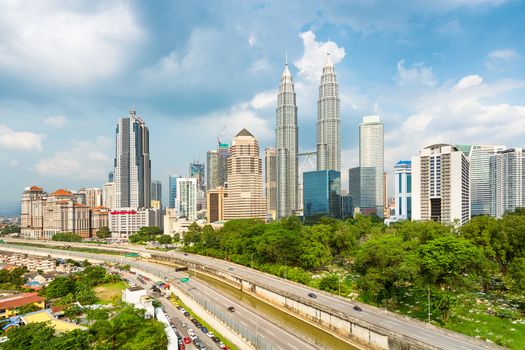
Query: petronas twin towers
[(286, 136)]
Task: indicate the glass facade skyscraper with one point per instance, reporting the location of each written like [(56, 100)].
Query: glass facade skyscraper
[(217, 167), (132, 175), (172, 193), (403, 189), (321, 195), (507, 176), (371, 162)]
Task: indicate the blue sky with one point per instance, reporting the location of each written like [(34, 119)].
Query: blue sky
[(435, 71)]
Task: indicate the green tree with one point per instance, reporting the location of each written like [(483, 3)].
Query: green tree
[(34, 336), (59, 287), (103, 233), (66, 237), (28, 308), (330, 283), (515, 279), (164, 239)]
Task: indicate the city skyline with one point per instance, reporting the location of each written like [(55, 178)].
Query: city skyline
[(397, 66)]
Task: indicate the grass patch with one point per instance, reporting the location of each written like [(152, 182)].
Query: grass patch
[(109, 291), (223, 339)]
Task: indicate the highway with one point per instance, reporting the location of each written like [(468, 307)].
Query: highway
[(391, 323), (270, 336)]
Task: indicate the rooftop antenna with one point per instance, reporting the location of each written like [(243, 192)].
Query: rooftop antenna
[(286, 57)]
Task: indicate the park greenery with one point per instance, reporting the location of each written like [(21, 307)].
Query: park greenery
[(398, 267), (103, 233), (152, 233), (65, 290), (66, 237), (122, 327)]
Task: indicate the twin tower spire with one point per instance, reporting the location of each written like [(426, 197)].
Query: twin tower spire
[(286, 135)]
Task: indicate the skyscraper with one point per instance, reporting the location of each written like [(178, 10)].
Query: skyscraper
[(371, 155), (217, 167), (187, 198), (197, 172), (244, 194), (440, 185), (270, 166), (132, 175), (403, 189), (328, 121), (156, 193), (286, 146), (507, 173), (322, 195), (480, 190), (172, 195)]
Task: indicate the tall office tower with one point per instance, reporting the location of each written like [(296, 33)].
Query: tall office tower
[(286, 145), (110, 176), (108, 195), (328, 121), (322, 195), (270, 166), (440, 185), (507, 173), (197, 172), (156, 194), (172, 195), (217, 167), (403, 190), (187, 198), (132, 164), (480, 191), (244, 195), (371, 155)]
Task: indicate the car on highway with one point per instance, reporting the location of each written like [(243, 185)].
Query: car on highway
[(231, 309), (184, 324), (187, 340), (312, 295), (210, 334), (204, 329), (357, 308), (230, 268)]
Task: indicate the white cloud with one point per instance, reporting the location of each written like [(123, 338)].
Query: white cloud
[(506, 54), (418, 74), (314, 56), (85, 160), (264, 99), (57, 121), (498, 59), (252, 40), (468, 82), (57, 42), (20, 140)]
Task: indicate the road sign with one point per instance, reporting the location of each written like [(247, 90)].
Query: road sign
[(185, 279)]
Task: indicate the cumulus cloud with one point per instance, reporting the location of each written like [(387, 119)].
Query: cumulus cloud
[(264, 99), (85, 160), (58, 42), (20, 140), (314, 56), (468, 82), (418, 74), (57, 121)]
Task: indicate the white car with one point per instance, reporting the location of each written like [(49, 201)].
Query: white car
[(210, 334), (191, 331)]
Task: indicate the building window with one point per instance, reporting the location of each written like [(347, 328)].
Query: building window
[(409, 183)]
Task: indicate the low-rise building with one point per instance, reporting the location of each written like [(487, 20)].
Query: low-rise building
[(124, 222), (10, 305)]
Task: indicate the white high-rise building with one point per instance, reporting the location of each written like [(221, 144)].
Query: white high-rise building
[(108, 195), (286, 146), (328, 120), (186, 200), (132, 175), (440, 185), (270, 181), (403, 190), (480, 188), (507, 174), (371, 158), (93, 196)]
